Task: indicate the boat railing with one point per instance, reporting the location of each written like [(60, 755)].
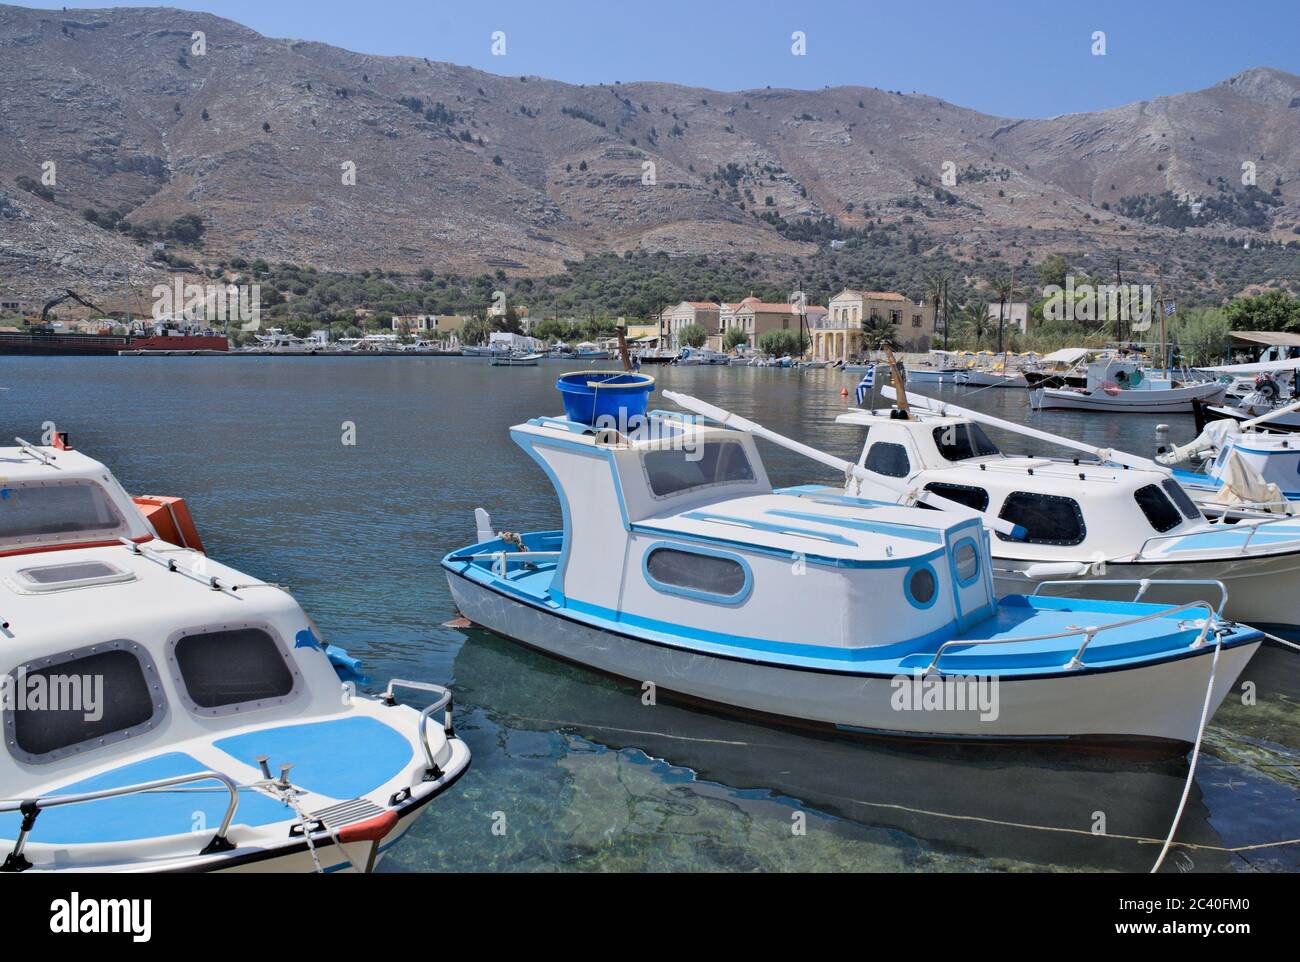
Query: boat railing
[(32, 807), (443, 701), (1254, 525), (501, 559), (1089, 632), (1143, 584)]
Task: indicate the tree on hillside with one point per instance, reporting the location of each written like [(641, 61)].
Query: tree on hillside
[(1053, 270), (693, 335), (1271, 311), (936, 285)]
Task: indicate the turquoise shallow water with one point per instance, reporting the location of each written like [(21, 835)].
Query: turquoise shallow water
[(571, 771)]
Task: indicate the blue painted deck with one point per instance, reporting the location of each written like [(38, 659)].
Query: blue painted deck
[(196, 807), (343, 759)]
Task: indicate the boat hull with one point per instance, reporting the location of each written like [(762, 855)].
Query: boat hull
[(1155, 401), (1149, 706)]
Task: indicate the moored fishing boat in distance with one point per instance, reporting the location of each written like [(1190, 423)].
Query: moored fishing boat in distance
[(678, 566), (1118, 516), (209, 728), (1121, 386)]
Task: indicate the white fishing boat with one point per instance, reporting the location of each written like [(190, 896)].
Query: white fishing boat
[(1118, 516), (1121, 386), (515, 360), (1065, 368), (1269, 387), (679, 567), (989, 377), (165, 712), (590, 351), (482, 350), (701, 356), (940, 367)]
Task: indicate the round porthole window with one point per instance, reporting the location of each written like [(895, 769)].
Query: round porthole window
[(920, 585)]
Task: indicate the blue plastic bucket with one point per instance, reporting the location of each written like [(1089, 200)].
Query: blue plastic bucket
[(589, 395)]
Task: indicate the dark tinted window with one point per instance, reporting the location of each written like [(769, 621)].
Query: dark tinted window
[(957, 442), (714, 462), (107, 684), (232, 667), (1049, 518), (889, 459), (966, 494), (920, 585), (1181, 498), (696, 572), (1158, 509)]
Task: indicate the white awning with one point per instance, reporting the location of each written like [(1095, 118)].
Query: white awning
[(1067, 355), (1289, 364)]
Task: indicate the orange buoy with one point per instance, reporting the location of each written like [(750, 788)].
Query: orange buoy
[(844, 392)]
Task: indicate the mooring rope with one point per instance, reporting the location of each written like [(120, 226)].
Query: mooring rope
[(1196, 752)]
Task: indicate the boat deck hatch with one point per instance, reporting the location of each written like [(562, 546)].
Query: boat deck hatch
[(75, 574)]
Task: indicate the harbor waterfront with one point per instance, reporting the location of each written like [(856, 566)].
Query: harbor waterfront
[(348, 482)]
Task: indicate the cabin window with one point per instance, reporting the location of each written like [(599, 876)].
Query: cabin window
[(966, 562), (671, 471), (1159, 510), (921, 586), (696, 573), (1049, 518), (1181, 498), (966, 494), (91, 697), (222, 671), (57, 511), (957, 442), (888, 459)]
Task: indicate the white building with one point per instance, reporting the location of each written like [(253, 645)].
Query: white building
[(1013, 315)]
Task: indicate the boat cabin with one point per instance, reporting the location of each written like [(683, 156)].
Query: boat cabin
[(1070, 508), (675, 528)]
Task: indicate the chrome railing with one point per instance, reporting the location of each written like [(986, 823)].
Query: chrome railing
[(32, 807), (1254, 526), (443, 701), (1089, 632), (1142, 585)]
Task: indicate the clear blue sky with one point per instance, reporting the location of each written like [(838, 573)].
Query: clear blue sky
[(1018, 58)]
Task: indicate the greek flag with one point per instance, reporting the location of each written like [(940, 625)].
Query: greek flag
[(1169, 308), (865, 385)]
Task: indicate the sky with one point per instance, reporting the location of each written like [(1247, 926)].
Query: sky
[(1011, 58)]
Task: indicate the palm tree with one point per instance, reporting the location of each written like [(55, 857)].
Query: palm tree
[(974, 316), (1003, 286), (477, 330), (936, 282), (878, 332)]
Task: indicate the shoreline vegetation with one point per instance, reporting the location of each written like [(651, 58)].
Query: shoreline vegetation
[(592, 297)]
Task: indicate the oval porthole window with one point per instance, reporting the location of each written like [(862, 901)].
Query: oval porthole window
[(968, 562), (920, 585)]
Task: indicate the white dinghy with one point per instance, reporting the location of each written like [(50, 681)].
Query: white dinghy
[(199, 723), (679, 567), (1116, 515)]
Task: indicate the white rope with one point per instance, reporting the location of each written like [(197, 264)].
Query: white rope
[(1281, 641), (1196, 753)]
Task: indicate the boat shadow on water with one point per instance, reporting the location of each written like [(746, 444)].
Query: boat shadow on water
[(939, 806)]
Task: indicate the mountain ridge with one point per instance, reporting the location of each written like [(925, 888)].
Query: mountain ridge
[(470, 171)]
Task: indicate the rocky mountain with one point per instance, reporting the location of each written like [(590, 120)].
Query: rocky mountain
[(460, 170)]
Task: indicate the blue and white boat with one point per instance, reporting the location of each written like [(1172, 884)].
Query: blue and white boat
[(164, 712), (680, 568)]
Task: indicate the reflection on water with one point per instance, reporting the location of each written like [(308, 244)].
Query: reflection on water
[(572, 770)]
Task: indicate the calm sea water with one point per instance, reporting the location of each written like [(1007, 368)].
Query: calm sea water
[(576, 771)]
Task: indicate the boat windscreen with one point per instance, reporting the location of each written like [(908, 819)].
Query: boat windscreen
[(958, 442), (670, 470), (59, 511)]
